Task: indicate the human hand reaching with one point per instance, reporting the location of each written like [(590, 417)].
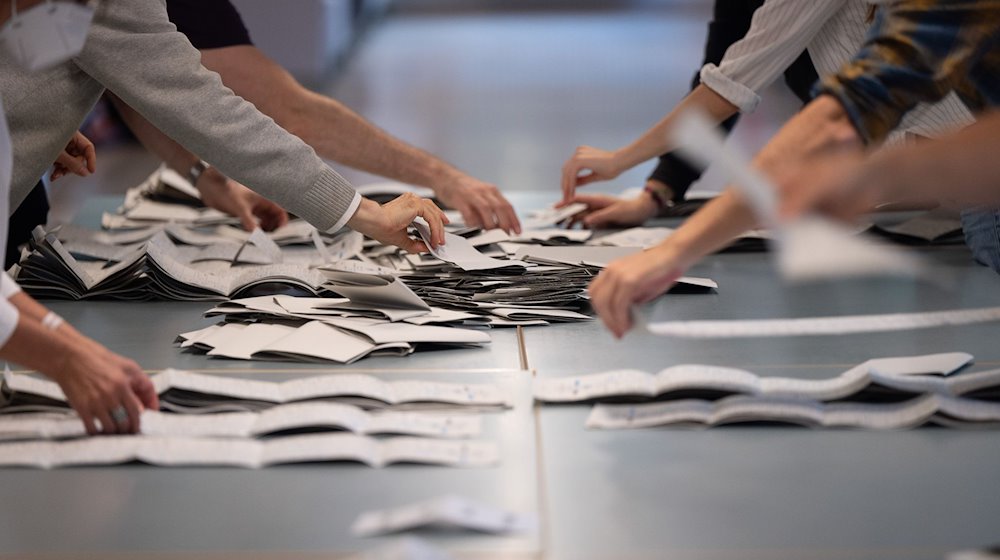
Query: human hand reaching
[(79, 158), (389, 223), (633, 280), (106, 390), (224, 194), (480, 203), (595, 164), (605, 211)]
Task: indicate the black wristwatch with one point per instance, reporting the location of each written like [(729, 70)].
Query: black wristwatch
[(195, 172)]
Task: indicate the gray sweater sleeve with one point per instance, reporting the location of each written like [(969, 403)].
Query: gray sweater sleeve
[(135, 52)]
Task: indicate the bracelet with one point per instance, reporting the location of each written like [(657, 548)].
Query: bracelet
[(659, 197), (52, 321)]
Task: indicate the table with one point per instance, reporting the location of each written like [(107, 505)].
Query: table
[(732, 492)]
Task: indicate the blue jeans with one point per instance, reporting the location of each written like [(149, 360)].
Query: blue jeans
[(982, 235)]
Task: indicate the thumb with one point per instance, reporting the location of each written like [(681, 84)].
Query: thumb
[(601, 218), (245, 214)]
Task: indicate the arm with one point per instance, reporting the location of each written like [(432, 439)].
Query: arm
[(962, 168), (779, 32), (339, 134), (95, 380), (820, 128), (217, 190), (137, 54), (917, 51)]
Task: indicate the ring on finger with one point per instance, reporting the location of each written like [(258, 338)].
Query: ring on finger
[(119, 415)]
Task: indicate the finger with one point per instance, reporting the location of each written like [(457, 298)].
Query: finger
[(569, 176), (587, 179), (246, 218), (435, 218), (88, 421), (411, 245), (146, 392), (472, 217), (618, 309), (508, 217), (134, 409), (103, 414), (90, 155), (602, 218)]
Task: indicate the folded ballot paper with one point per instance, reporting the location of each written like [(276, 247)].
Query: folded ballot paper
[(447, 512), (278, 420), (173, 451), (887, 393), (194, 392), (912, 374), (936, 409)]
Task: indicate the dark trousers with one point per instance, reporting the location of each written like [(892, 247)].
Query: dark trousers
[(730, 22), (33, 211)]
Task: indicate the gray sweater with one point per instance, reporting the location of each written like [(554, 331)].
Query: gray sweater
[(135, 52)]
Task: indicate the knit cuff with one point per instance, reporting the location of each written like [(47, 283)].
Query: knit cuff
[(329, 202)]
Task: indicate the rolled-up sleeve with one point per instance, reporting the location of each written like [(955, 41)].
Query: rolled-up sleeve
[(779, 32), (917, 51), (135, 52)]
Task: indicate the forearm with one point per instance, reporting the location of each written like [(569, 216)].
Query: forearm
[(338, 133), (965, 162), (656, 141), (176, 156), (38, 348), (821, 127), (32, 311)]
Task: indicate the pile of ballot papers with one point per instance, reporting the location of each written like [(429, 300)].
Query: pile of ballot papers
[(161, 244), (879, 394), (210, 420)]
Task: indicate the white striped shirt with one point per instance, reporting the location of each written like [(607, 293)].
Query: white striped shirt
[(833, 31)]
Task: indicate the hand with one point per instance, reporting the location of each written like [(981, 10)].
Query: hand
[(633, 280), (224, 194), (832, 186), (481, 204), (97, 381), (388, 223), (79, 158), (609, 211), (601, 165)]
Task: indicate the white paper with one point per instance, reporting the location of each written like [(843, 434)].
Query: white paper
[(448, 511), (814, 326), (458, 251)]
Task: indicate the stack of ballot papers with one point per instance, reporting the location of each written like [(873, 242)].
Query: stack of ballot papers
[(477, 278), (887, 393), (178, 263), (936, 227), (189, 392), (218, 421)]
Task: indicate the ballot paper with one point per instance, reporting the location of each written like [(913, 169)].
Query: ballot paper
[(458, 251), (540, 219), (936, 227), (575, 255), (195, 388), (279, 419), (816, 326), (809, 248), (917, 411), (449, 512), (553, 234), (247, 453), (694, 379), (375, 290)]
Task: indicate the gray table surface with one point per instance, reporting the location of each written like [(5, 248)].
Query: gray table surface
[(663, 493)]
